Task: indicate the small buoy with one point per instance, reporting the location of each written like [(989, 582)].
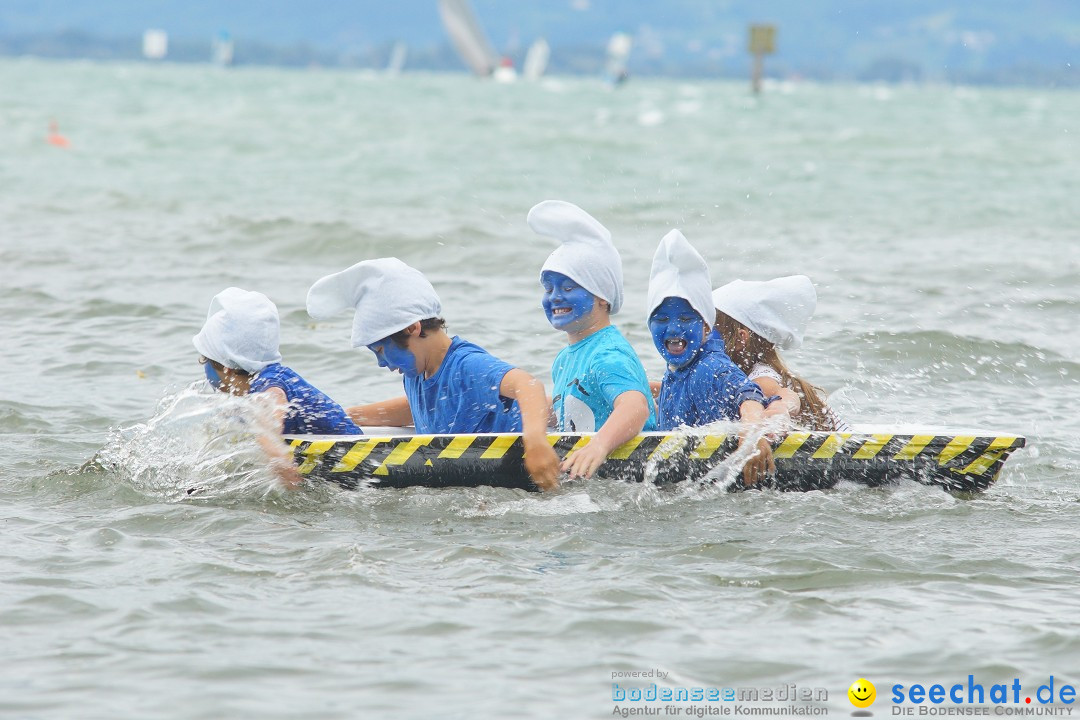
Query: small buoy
[(140, 374), (54, 137)]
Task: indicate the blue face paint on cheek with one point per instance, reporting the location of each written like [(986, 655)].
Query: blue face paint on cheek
[(211, 375), (565, 302), (678, 331), (392, 357)]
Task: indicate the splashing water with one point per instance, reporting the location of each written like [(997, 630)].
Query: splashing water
[(729, 470), (198, 444), (724, 477)]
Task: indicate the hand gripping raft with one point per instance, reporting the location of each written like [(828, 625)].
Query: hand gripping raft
[(387, 458)]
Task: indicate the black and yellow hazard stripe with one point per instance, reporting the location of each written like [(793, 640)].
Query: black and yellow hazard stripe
[(804, 459), (966, 454)]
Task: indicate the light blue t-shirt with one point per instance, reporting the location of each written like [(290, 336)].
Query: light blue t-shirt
[(587, 377), (463, 394), (709, 388), (311, 411)]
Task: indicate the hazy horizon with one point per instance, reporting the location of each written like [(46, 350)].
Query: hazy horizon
[(994, 42)]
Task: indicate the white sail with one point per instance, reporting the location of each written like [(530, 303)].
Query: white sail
[(536, 60), (397, 58), (618, 52), (223, 49), (468, 38), (155, 44)]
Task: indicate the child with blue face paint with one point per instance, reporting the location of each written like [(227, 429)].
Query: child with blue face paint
[(702, 385), (238, 346), (451, 385), (599, 383)]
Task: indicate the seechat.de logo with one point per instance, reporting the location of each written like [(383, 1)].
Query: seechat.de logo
[(862, 694)]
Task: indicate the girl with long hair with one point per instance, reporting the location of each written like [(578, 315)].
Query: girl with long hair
[(756, 320)]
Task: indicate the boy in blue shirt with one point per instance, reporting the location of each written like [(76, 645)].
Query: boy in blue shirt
[(238, 346), (451, 385), (599, 383), (702, 385)]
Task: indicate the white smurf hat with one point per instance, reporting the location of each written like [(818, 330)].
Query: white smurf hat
[(387, 294), (587, 255), (678, 270), (242, 331), (777, 310)]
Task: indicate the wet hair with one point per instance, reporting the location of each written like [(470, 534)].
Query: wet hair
[(812, 410), (401, 337)]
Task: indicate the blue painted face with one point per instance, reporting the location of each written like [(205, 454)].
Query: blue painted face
[(211, 373), (678, 331), (565, 302), (394, 357)]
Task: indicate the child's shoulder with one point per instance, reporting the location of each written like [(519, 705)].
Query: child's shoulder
[(470, 360), (617, 355), (276, 375), (608, 342), (717, 364), (466, 351), (604, 349), (610, 339)]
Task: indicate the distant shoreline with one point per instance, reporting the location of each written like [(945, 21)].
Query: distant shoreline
[(579, 61)]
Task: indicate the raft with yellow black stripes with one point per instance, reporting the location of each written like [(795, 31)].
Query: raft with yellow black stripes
[(392, 458)]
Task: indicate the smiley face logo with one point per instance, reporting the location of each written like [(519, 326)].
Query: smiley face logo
[(862, 693)]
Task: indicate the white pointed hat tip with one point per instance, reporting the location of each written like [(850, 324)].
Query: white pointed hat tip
[(386, 295), (678, 270), (566, 222), (674, 236), (325, 298)]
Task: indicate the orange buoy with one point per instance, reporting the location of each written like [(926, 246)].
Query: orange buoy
[(54, 137)]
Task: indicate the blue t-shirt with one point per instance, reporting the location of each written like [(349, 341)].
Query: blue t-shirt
[(311, 412), (587, 377), (709, 388), (463, 394)]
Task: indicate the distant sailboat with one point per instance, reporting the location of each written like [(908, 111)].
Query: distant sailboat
[(155, 44), (505, 73), (397, 58), (468, 37), (618, 52), (536, 60), (223, 49)]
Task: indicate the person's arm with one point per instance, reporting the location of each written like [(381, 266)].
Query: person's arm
[(281, 459), (629, 414), (388, 413), (791, 402), (540, 460), (752, 412)]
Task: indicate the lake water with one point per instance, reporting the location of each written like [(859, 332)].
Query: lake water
[(939, 224)]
